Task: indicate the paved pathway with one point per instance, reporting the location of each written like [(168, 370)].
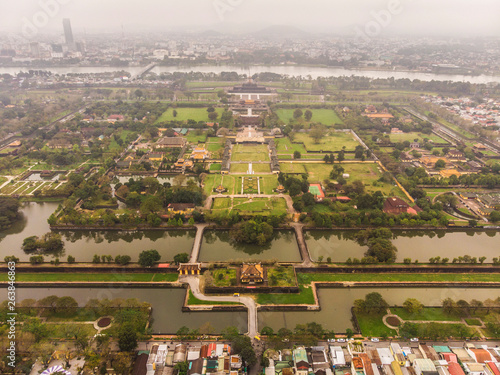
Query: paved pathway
[(304, 252), (197, 242), (194, 284)]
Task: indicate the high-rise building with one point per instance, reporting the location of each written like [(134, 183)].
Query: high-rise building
[(68, 33)]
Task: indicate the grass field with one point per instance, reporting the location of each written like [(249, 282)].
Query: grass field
[(184, 114), (428, 313), (243, 152), (104, 277), (246, 206), (257, 168), (215, 167), (268, 183), (323, 116), (368, 173), (305, 296), (334, 142), (293, 168), (307, 278), (401, 137), (371, 325), (195, 137)]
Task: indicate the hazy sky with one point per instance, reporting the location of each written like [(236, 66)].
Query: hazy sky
[(424, 17)]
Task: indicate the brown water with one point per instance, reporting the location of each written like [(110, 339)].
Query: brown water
[(336, 304), (420, 245), (84, 244), (167, 303), (217, 246)]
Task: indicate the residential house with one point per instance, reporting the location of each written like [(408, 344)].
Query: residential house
[(301, 363)]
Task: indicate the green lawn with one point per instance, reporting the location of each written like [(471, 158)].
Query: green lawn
[(293, 168), (246, 206), (304, 297), (473, 322), (184, 114), (243, 152), (212, 181), (257, 168), (222, 277), (307, 278), (215, 167), (333, 142), (195, 137), (94, 277), (323, 116), (401, 137), (371, 325), (368, 173), (427, 313), (281, 276)]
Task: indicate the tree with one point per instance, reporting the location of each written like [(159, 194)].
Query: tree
[(213, 116), (181, 258), (71, 259), (317, 133), (308, 115), (440, 164), (297, 155), (308, 199), (449, 305), (148, 258), (252, 232), (297, 113), (375, 303), (127, 338), (494, 216), (413, 305), (382, 249), (66, 306), (122, 260), (174, 113)]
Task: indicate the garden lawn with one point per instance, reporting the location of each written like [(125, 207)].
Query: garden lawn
[(371, 325), (333, 142), (95, 277), (323, 116), (222, 277), (307, 278), (215, 167), (257, 168), (212, 181), (368, 173), (281, 276), (293, 168), (242, 152), (401, 137), (184, 114), (427, 313), (304, 297)]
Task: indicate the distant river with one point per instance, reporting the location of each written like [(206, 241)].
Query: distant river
[(291, 70)]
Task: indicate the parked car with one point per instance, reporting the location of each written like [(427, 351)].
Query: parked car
[(340, 340), (330, 340), (375, 339), (414, 339)]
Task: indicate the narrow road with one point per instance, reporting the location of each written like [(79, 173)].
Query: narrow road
[(194, 284), (197, 242), (304, 252)]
